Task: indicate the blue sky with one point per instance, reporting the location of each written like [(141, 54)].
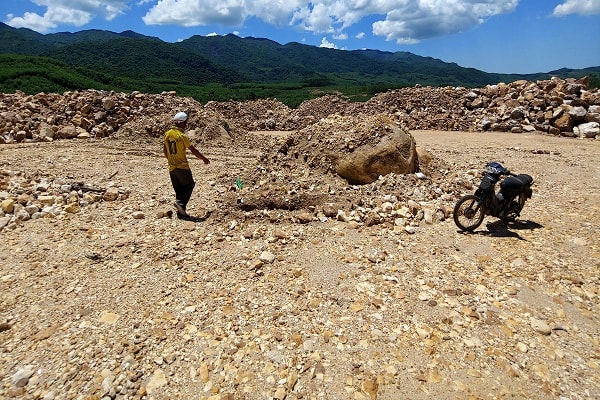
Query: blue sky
[(507, 36)]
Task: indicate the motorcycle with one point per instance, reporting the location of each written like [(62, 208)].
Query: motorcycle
[(506, 205)]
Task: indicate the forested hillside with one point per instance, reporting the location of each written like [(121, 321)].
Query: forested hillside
[(223, 67)]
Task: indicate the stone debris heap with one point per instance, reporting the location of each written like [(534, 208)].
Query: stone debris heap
[(554, 106), (364, 170), (24, 197), (294, 178)]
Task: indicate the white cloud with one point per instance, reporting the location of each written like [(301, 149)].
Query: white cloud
[(197, 12), (404, 21), (327, 44), (276, 12), (360, 35), (582, 7), (67, 12), (313, 17), (31, 21), (413, 21)]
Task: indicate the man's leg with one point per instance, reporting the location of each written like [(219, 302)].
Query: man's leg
[(183, 184)]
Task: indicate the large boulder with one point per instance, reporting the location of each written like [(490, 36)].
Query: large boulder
[(396, 152), (587, 130), (359, 148), (564, 122)]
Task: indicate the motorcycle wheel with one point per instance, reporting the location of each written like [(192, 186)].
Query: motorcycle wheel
[(468, 214)]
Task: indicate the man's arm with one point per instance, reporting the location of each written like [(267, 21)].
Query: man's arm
[(198, 154)]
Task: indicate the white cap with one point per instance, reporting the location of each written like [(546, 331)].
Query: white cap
[(180, 116)]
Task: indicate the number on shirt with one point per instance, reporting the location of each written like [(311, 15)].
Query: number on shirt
[(172, 147)]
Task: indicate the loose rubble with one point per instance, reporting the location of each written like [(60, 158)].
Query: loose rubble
[(23, 198), (297, 284), (556, 107)]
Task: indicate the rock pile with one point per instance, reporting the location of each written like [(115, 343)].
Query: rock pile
[(296, 180), (24, 197), (300, 171), (359, 149), (253, 115), (91, 113), (555, 106)]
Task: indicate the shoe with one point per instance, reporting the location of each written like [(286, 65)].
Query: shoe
[(180, 209), (186, 217)]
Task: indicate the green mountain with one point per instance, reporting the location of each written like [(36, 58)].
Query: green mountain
[(144, 59), (222, 67), (35, 74), (90, 36), (256, 57), (20, 41), (28, 42), (264, 60)]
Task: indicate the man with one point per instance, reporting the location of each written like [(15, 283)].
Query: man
[(175, 144)]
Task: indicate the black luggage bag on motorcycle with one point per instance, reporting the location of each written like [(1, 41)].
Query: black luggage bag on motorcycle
[(512, 186)]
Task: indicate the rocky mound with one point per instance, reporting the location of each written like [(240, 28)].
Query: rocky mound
[(359, 149), (305, 168), (555, 106)]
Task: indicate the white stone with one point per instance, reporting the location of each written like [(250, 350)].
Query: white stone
[(540, 326), (587, 130), (157, 380), (21, 377), (267, 257)]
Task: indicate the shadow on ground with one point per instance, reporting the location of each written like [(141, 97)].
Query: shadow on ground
[(507, 229)]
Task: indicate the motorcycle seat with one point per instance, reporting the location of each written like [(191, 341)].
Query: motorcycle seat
[(516, 182), (526, 179)]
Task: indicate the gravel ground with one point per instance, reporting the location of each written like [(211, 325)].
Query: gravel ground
[(114, 300)]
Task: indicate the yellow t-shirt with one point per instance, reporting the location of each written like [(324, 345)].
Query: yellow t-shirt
[(176, 142)]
